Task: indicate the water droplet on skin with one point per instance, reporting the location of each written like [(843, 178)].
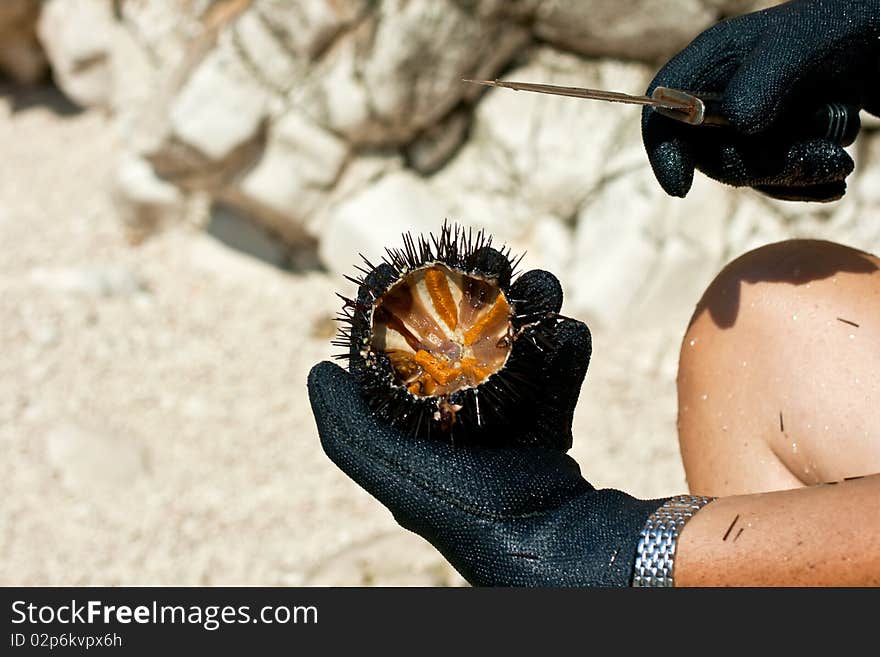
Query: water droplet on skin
[(794, 448), (745, 363), (724, 427), (794, 317), (693, 342), (852, 336), (704, 397)]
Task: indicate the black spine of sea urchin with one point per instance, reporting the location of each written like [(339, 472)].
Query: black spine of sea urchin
[(475, 410)]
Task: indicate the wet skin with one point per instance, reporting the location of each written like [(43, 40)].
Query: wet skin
[(779, 375)]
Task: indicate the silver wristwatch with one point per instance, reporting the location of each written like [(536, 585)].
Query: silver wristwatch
[(655, 557)]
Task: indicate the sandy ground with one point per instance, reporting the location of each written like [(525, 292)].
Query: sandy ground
[(154, 422)]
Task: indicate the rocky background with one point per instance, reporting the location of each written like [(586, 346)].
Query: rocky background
[(185, 183)]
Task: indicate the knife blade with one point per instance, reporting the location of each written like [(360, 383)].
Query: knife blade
[(835, 122), (674, 103)]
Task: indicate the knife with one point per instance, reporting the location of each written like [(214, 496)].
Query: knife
[(833, 121)]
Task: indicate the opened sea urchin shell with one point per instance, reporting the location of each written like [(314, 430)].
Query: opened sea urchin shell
[(436, 340)]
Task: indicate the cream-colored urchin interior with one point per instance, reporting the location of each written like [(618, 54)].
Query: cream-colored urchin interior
[(442, 330)]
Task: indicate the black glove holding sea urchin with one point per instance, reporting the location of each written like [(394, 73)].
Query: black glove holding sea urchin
[(511, 514), (771, 68)]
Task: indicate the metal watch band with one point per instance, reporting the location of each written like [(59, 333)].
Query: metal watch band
[(655, 558)]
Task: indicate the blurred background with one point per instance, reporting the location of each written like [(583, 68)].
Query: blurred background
[(186, 181)]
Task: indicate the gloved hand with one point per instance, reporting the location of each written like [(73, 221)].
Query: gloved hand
[(516, 514), (770, 67)]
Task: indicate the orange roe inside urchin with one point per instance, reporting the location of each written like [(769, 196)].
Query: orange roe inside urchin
[(442, 330)]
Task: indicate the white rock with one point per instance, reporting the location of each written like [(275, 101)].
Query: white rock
[(154, 48), (433, 147), (376, 217), (869, 121), (168, 31), (296, 170), (480, 188), (507, 220), (866, 187), (137, 181), (361, 172), (737, 231), (245, 236), (628, 152), (754, 223), (401, 69), (630, 29), (550, 245), (674, 284), (613, 252), (700, 218), (219, 109), (421, 50), (856, 220), (335, 95), (138, 101), (546, 153), (77, 37), (261, 52), (305, 28), (547, 245)]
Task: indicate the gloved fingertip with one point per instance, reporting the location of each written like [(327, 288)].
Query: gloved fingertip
[(673, 167), (575, 342), (324, 375), (817, 162), (535, 292), (564, 374), (829, 160)]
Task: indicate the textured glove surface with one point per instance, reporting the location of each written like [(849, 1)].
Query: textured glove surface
[(518, 514), (770, 66)]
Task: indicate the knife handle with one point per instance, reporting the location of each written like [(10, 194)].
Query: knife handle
[(834, 122)]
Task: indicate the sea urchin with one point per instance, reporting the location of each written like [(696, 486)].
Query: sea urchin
[(437, 341)]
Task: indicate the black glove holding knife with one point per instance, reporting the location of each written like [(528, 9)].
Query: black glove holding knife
[(766, 100), (774, 73)]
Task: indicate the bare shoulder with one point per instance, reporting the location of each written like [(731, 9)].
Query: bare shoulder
[(779, 375)]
